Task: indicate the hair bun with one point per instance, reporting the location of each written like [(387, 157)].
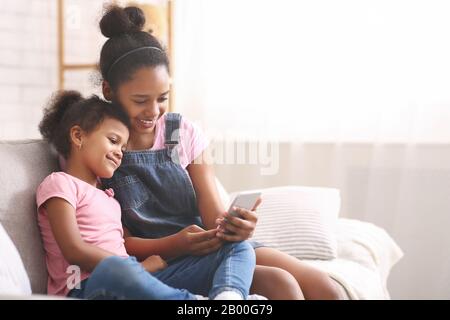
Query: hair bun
[(117, 21)]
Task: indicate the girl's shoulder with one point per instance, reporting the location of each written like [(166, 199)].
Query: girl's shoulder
[(189, 129), (193, 141), (185, 123), (57, 184), (188, 132), (59, 180), (57, 177)]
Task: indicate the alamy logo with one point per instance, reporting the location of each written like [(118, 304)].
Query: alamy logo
[(228, 150), (73, 281)]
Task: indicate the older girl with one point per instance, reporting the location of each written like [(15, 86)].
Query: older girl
[(165, 190)]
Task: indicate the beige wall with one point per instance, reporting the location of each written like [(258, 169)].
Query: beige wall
[(27, 64), (28, 58)]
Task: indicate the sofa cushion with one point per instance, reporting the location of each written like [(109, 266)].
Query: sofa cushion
[(24, 165), (13, 277), (300, 221)]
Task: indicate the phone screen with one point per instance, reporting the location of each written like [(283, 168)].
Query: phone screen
[(244, 200)]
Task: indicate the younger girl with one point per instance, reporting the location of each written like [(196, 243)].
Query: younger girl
[(81, 224)]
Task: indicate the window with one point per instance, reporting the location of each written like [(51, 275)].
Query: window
[(321, 70)]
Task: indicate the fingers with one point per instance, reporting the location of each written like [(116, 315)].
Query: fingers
[(244, 215), (194, 228), (232, 233), (240, 229), (246, 221), (233, 229), (203, 242), (202, 236), (219, 222), (209, 247), (258, 202), (231, 237)]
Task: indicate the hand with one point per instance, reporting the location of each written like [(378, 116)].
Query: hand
[(196, 241), (238, 228), (154, 263)]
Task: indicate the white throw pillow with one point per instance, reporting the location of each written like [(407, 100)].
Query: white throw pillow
[(300, 221), (13, 277)]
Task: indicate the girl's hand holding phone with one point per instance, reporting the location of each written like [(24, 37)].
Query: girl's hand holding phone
[(239, 222)]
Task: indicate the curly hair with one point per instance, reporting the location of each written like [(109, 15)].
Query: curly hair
[(67, 109)]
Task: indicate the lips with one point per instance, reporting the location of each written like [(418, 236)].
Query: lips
[(114, 161), (146, 123)]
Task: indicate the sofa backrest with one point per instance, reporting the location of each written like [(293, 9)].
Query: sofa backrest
[(24, 164)]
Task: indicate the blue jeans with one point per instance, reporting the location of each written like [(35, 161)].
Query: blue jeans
[(228, 269)]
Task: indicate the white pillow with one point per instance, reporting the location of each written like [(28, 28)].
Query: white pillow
[(300, 221), (369, 245), (13, 277)]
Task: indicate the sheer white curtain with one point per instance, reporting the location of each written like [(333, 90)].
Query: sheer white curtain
[(349, 94)]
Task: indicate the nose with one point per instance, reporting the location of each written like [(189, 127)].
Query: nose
[(153, 109), (119, 154)]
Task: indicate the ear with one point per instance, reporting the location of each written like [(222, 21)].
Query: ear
[(76, 136), (107, 91)]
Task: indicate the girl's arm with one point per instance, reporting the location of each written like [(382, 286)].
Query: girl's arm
[(64, 226), (210, 204), (142, 248), (192, 240)]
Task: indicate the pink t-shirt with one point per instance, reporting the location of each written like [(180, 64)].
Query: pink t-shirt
[(98, 217), (192, 140)]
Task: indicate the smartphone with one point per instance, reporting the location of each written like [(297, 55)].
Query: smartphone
[(245, 200)]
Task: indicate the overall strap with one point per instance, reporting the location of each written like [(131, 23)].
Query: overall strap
[(172, 134)]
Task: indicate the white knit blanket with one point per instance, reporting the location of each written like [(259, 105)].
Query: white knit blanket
[(366, 254)]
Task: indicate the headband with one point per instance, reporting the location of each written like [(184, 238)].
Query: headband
[(130, 52)]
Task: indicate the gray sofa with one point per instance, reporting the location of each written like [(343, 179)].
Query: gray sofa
[(25, 165), (364, 256)]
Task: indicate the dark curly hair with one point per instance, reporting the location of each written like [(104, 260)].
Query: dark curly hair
[(124, 28), (67, 109)]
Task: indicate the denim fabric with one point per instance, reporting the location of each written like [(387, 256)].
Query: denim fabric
[(154, 191), (228, 269), (125, 278)]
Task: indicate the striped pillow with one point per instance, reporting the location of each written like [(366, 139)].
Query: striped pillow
[(300, 221)]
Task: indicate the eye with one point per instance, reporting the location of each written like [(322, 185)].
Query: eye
[(112, 140), (162, 99), (140, 102)]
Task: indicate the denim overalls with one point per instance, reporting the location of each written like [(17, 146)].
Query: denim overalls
[(155, 192)]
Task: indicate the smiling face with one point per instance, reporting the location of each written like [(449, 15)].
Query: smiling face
[(144, 98), (102, 149)]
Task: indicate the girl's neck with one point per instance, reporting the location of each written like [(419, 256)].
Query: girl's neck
[(141, 141), (76, 169)]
